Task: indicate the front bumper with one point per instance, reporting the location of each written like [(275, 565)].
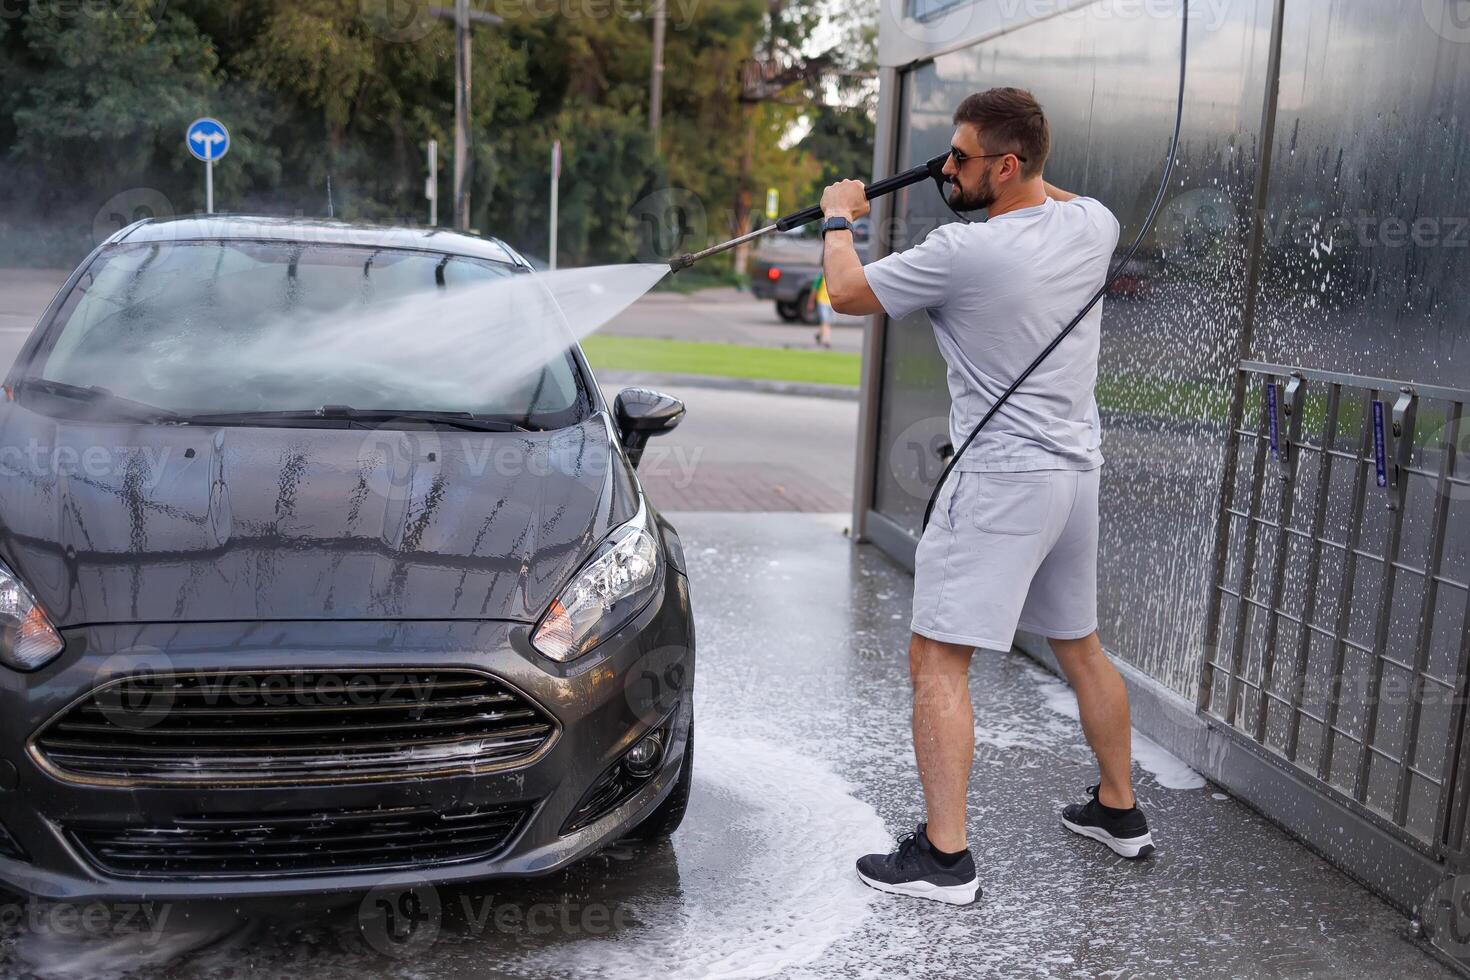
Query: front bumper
[(639, 679)]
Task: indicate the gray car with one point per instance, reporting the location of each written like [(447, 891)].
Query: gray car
[(785, 266), (259, 643)]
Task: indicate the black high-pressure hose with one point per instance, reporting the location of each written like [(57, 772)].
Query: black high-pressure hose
[(1107, 283)]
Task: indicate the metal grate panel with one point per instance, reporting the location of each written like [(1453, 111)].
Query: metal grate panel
[(1340, 608)]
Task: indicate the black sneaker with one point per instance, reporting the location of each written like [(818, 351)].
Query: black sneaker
[(1126, 832), (914, 870)]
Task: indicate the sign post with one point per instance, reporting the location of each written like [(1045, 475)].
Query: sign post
[(431, 184), (555, 184), (207, 139)]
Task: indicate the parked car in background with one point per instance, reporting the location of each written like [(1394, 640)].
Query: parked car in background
[(785, 265), (267, 630)]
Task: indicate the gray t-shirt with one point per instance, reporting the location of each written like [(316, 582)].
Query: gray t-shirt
[(997, 293)]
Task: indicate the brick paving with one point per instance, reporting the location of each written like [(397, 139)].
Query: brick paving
[(742, 487)]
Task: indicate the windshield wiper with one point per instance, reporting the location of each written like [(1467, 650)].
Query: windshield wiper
[(460, 420), (98, 395), (344, 413)]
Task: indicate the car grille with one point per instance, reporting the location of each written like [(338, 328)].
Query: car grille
[(288, 845), (292, 728)]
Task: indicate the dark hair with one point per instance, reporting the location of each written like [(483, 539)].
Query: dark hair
[(1010, 120)]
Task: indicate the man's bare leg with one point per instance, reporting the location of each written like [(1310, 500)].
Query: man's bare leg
[(1102, 702), (944, 735)]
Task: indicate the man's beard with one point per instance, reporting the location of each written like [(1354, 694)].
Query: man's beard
[(979, 199)]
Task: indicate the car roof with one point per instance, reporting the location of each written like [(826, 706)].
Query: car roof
[(240, 227)]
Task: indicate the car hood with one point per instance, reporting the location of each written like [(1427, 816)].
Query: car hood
[(129, 523)]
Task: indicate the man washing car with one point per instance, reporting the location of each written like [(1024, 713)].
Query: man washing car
[(1013, 540)]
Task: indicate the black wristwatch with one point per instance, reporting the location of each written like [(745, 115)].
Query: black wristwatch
[(836, 223)]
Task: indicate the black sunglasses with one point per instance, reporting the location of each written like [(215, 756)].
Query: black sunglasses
[(961, 158)]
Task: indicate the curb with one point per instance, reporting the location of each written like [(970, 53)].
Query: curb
[(801, 388)]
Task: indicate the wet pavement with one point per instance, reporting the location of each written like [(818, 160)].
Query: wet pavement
[(803, 762)]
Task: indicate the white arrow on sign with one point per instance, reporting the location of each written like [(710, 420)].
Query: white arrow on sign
[(207, 141)]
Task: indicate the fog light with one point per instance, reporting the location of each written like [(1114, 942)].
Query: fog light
[(642, 759)]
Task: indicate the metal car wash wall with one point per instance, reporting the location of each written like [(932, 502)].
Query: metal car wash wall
[(1171, 327), (1316, 231)]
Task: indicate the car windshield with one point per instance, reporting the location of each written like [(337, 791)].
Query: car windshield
[(232, 327)]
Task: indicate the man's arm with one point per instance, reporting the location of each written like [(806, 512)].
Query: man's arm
[(847, 284), (1057, 194)]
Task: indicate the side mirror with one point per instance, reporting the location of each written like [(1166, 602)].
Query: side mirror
[(642, 413)]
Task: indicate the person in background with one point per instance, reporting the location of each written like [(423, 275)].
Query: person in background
[(824, 310)]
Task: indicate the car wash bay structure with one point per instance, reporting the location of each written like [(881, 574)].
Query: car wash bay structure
[(1286, 509)]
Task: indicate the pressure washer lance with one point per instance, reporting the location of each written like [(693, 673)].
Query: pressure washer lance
[(933, 170)]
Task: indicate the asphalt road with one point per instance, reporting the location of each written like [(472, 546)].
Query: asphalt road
[(24, 293), (727, 316)]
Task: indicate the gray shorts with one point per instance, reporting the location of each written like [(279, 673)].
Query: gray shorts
[(1008, 551)]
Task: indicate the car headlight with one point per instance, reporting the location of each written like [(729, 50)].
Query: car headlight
[(28, 641), (609, 590)]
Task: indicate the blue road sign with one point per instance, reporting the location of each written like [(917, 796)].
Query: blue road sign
[(207, 139)]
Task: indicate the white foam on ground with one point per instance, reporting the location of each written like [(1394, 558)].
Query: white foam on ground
[(1167, 769), (792, 896)]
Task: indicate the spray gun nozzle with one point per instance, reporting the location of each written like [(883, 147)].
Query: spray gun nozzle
[(682, 262)]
